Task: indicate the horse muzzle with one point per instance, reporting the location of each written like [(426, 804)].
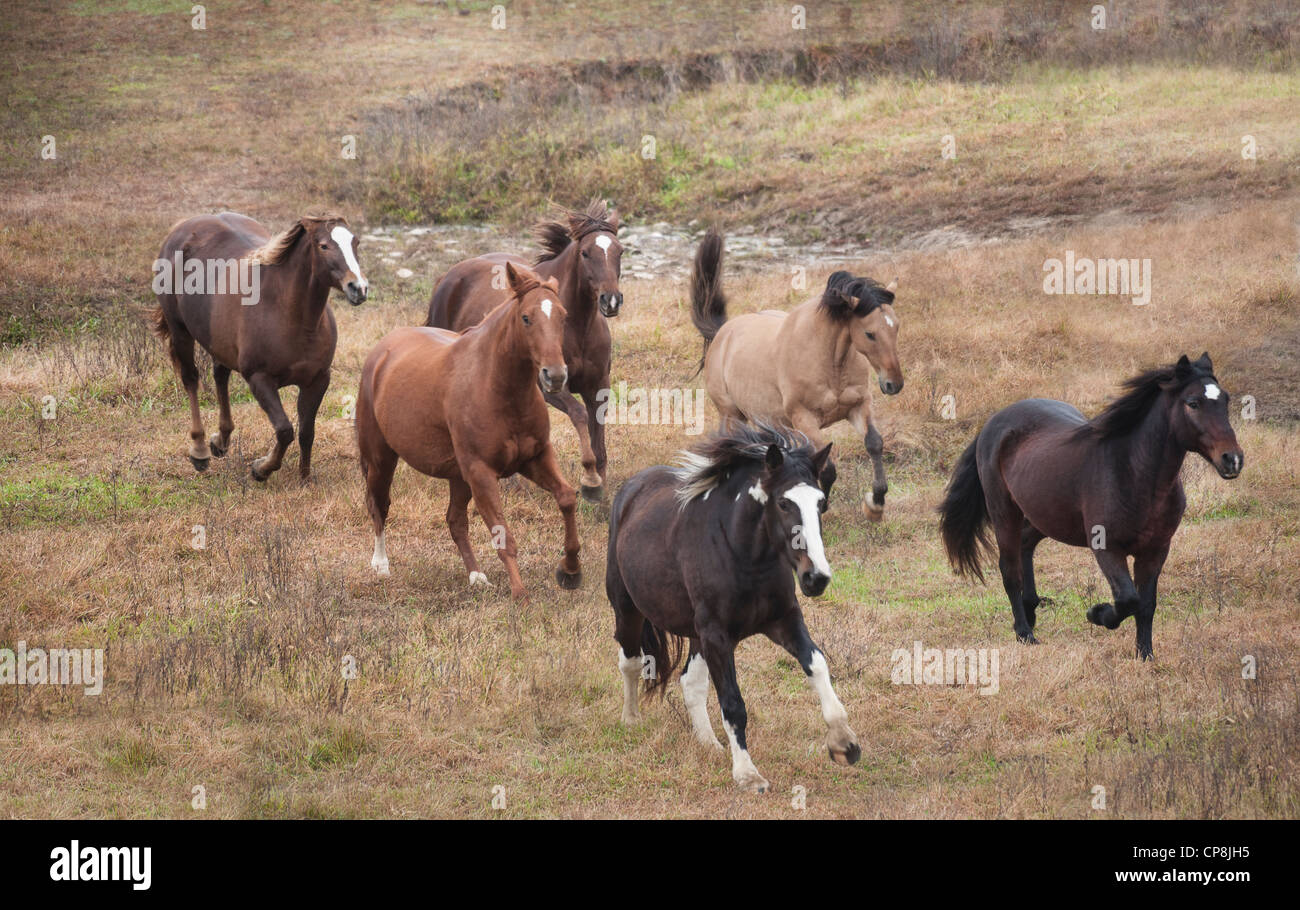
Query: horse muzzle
[(610, 303), (356, 291), (553, 380), (890, 386), (1229, 464), (813, 583)]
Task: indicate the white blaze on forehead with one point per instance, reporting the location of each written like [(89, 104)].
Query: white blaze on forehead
[(758, 493), (343, 237), (1211, 391), (889, 320), (808, 498), (547, 303), (604, 243)]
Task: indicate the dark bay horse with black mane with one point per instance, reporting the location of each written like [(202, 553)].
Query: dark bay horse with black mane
[(468, 408), (276, 330), (1040, 469), (707, 551), (582, 253)]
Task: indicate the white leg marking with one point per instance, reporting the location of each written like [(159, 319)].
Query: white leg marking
[(841, 741), (379, 562), (808, 498), (743, 771), (695, 692), (631, 669), (478, 578)]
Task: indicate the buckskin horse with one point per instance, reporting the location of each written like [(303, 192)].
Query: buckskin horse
[(582, 254), (468, 408), (808, 368), (1039, 469), (284, 336), (705, 551)]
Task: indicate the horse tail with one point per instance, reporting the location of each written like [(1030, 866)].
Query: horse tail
[(666, 650), (708, 304), (965, 512)]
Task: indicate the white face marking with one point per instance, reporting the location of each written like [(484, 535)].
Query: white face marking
[(343, 237), (546, 307), (757, 492), (1211, 391), (604, 243), (889, 320), (808, 498)]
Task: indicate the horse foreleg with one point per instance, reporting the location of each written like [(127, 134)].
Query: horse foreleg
[(720, 657), (544, 472), (791, 633), (483, 486), (220, 441), (695, 693), (874, 506), (1146, 572), (267, 394), (807, 423), (458, 524), (596, 428), (1115, 567), (309, 399), (592, 485)]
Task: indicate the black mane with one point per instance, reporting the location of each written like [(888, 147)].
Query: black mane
[(1125, 413), (847, 297), (735, 446), (555, 236)]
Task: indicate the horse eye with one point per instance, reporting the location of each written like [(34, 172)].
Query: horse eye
[(871, 336), (324, 246), (527, 321), (1193, 404)]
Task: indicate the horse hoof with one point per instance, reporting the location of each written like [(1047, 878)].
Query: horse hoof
[(259, 477), (214, 444), (847, 756), (753, 783), (593, 494), (200, 464), (567, 581), (873, 512), (1027, 639), (1095, 614)]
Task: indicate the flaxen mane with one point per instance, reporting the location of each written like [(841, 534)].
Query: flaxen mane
[(704, 467), (846, 297), (277, 248), (556, 235)]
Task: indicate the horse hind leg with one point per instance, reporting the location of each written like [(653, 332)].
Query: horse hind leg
[(219, 442), (181, 348), (628, 627), (1008, 522), (1030, 537), (378, 462)]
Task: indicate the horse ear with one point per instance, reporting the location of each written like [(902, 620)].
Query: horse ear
[(1204, 361), (775, 457), (612, 218), (892, 287), (512, 276), (820, 459), (1183, 367)]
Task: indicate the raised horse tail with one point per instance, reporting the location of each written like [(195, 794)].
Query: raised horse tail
[(666, 650), (708, 305), (965, 512)]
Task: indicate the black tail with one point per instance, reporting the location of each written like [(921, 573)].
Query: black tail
[(965, 520), (666, 649), (708, 305)]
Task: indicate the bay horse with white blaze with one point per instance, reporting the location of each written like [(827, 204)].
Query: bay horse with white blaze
[(1039, 469), (582, 254), (286, 336), (468, 408), (808, 368), (706, 552)]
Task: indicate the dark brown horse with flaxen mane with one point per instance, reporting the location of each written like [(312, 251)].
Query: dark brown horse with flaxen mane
[(258, 305), (469, 409), (582, 254), (1040, 469)]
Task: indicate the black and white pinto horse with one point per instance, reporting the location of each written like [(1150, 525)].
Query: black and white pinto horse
[(704, 551)]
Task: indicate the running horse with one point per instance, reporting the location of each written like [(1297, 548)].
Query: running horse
[(707, 552), (469, 409), (582, 254), (1039, 469), (808, 368), (281, 334)]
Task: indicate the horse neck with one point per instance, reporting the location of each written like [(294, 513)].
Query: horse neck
[(822, 333), (1155, 456), (302, 305), (749, 540), (505, 351), (577, 295)]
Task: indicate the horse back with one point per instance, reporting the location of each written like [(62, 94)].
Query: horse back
[(464, 295), (645, 555)]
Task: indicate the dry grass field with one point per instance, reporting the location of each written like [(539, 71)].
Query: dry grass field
[(224, 663)]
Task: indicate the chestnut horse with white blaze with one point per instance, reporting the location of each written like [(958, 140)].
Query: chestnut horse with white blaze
[(469, 409), (582, 254), (808, 368), (284, 336)]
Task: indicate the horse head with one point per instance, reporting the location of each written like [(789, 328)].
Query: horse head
[(1199, 415), (867, 309), (541, 321)]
